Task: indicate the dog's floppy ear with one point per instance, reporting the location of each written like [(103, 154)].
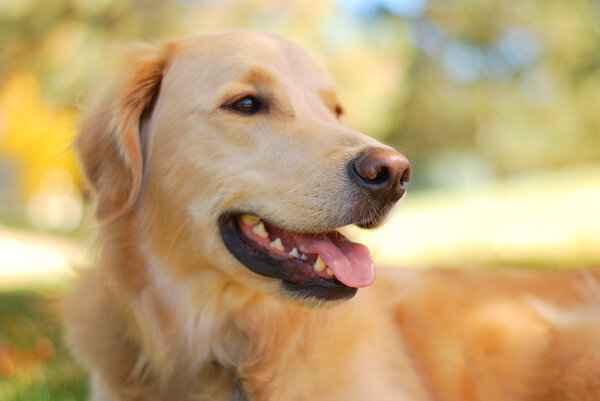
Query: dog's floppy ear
[(109, 142)]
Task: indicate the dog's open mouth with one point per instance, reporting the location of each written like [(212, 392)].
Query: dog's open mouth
[(322, 265)]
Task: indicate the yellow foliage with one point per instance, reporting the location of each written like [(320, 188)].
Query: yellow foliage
[(34, 134)]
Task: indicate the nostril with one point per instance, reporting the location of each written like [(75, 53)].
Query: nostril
[(383, 176), (374, 174), (405, 178)]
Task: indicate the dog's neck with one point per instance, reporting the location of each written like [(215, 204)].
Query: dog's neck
[(209, 328), (183, 325)]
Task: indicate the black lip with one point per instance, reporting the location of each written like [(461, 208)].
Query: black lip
[(286, 270)]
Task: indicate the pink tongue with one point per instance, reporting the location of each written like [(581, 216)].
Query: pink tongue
[(350, 262)]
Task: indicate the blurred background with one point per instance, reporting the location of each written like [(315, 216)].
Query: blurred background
[(494, 102)]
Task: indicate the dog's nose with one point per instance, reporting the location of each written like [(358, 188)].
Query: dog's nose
[(384, 173)]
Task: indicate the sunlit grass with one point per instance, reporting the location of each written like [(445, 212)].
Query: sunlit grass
[(29, 258)]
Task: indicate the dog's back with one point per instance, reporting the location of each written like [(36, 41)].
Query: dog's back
[(505, 335)]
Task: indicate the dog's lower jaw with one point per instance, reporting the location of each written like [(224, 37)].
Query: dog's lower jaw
[(308, 302), (313, 297)]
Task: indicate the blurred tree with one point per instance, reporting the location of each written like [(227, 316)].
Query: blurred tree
[(498, 88), (469, 89), (36, 137)]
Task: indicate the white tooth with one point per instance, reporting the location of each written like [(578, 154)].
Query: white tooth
[(329, 272), (303, 257), (319, 264), (249, 219), (277, 244), (260, 230), (294, 252)]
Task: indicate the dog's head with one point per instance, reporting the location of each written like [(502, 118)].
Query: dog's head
[(228, 153)]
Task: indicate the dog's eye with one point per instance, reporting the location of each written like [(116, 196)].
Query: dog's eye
[(246, 105), (339, 110)]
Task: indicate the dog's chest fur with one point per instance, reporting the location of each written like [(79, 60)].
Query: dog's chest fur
[(276, 350)]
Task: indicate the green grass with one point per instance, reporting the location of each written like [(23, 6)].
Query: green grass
[(34, 363)]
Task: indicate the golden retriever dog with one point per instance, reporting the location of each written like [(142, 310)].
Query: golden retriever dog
[(222, 175)]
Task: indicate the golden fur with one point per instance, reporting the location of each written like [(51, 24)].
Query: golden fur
[(169, 314)]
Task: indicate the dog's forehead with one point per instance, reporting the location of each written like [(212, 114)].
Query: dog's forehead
[(238, 52)]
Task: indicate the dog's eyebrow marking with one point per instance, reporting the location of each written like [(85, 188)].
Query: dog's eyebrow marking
[(258, 77), (331, 101)]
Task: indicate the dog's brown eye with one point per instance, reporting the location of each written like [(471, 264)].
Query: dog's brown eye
[(339, 110), (246, 105)]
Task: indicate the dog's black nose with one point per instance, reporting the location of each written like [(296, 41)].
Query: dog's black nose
[(384, 173)]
